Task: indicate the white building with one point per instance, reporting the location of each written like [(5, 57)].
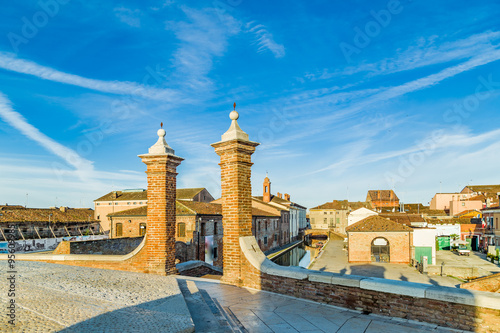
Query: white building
[(359, 214)]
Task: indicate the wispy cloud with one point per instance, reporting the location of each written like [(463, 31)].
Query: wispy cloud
[(11, 63), (202, 37), (425, 52), (265, 39), (17, 121), (128, 16)]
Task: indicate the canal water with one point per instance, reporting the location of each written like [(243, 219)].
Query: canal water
[(300, 255)]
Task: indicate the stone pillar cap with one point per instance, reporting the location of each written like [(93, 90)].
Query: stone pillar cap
[(234, 132), (161, 146)]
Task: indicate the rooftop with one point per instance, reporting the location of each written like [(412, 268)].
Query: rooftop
[(377, 223), (142, 194), (385, 195), (63, 214)]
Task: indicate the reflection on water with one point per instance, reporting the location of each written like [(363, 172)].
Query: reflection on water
[(300, 255)]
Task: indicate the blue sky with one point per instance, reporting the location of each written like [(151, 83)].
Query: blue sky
[(344, 96)]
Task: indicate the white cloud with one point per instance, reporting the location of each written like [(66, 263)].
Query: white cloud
[(11, 63), (129, 16), (425, 52), (203, 37), (265, 40), (17, 121)]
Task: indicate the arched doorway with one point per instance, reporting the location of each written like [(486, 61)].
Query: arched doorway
[(381, 250)]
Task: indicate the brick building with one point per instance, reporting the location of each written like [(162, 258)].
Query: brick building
[(378, 239), (199, 231), (383, 200), (36, 223), (291, 212), (117, 201), (333, 215)]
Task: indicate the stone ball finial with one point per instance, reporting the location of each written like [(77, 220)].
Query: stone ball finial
[(234, 115), (161, 132)]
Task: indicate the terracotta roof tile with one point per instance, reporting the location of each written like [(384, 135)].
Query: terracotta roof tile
[(21, 214), (377, 223), (141, 194), (385, 195)]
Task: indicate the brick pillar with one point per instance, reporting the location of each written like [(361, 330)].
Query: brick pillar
[(235, 151), (160, 239)]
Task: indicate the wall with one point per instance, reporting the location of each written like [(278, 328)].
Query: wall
[(44, 244), (103, 208), (130, 225), (267, 227), (360, 246), (457, 207), (117, 246), (425, 237), (359, 214), (450, 307), (445, 229), (441, 201)]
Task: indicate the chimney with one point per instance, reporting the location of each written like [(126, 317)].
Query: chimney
[(378, 195), (391, 194), (63, 209), (267, 190), (113, 195), (287, 196), (280, 195)]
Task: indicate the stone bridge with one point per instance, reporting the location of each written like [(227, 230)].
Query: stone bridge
[(330, 233)]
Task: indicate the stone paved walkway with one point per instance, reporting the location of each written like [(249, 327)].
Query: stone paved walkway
[(59, 298), (334, 259), (260, 311)]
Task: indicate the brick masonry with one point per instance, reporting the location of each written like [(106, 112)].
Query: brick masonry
[(443, 313), (235, 162), (360, 246)]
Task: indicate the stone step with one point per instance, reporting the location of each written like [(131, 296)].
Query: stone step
[(206, 315)]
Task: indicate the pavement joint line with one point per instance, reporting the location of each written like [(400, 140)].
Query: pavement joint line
[(42, 315)]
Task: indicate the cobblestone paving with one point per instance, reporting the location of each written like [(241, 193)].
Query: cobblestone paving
[(265, 312), (53, 298)]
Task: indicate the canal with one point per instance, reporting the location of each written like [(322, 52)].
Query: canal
[(300, 255)]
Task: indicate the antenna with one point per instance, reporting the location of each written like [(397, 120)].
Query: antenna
[(234, 106), (26, 205)]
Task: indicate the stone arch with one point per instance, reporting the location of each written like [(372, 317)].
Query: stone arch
[(380, 250)]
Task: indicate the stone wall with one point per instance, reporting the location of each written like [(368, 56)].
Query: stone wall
[(197, 268), (115, 246), (456, 308)]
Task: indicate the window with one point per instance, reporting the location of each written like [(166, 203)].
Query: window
[(215, 253), (325, 213), (203, 231), (265, 240), (275, 237), (116, 203), (215, 228), (265, 224), (119, 229), (135, 203), (258, 225), (181, 229), (325, 220), (337, 220), (129, 221), (98, 204), (110, 204), (142, 229), (463, 203), (331, 213), (128, 203)]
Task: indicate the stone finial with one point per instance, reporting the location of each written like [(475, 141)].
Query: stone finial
[(161, 146), (234, 132)]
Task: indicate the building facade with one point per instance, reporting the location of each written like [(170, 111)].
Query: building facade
[(383, 200)]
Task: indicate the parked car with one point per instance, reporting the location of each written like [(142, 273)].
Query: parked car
[(463, 251)]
